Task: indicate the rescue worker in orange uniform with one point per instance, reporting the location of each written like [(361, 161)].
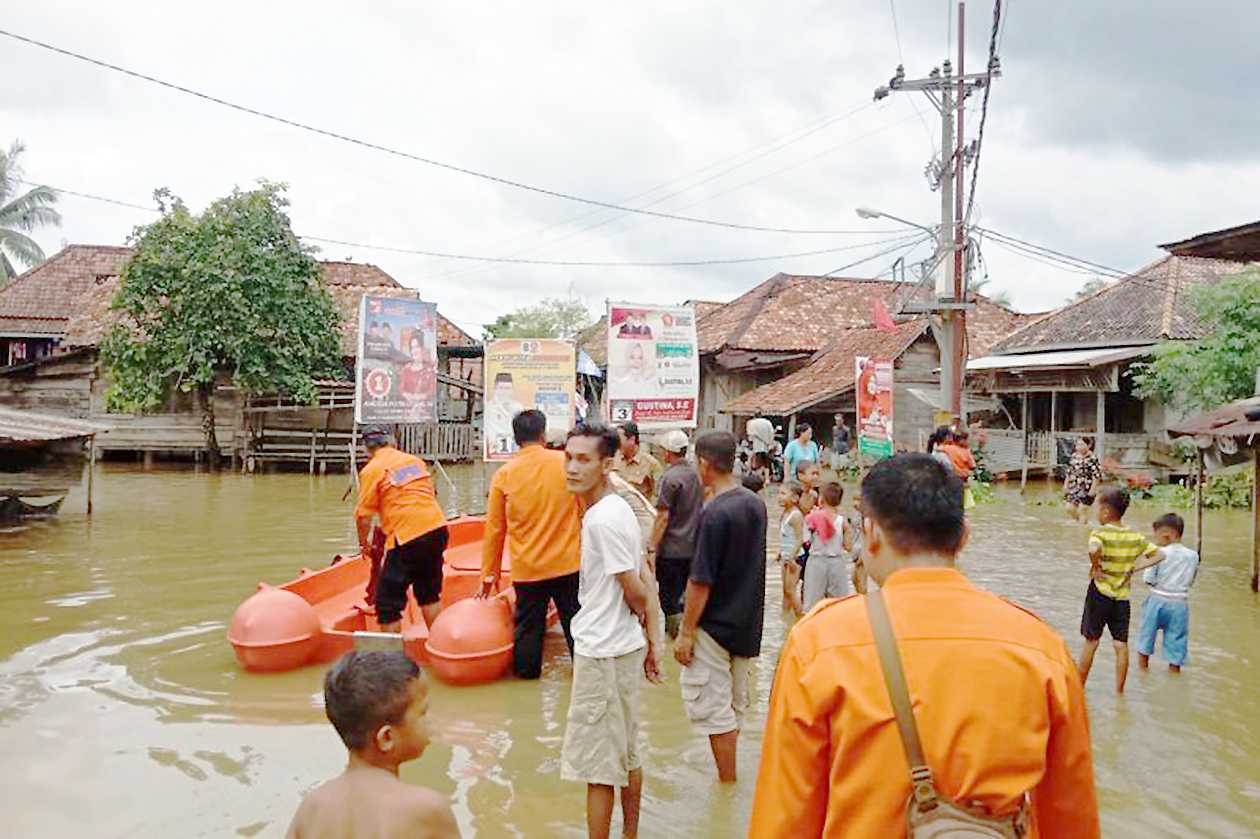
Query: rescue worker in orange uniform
[(995, 694), (531, 510), (397, 488)]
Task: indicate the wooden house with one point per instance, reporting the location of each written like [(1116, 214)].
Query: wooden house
[(67, 378)]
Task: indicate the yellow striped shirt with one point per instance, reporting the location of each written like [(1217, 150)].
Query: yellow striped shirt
[(1120, 548)]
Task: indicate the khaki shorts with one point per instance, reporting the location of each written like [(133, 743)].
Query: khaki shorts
[(602, 732), (716, 687)]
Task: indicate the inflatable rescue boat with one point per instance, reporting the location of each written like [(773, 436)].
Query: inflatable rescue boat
[(322, 614)]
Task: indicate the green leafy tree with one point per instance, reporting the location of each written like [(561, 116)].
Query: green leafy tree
[(551, 318), (229, 295), (21, 212), (1090, 287), (1204, 374)]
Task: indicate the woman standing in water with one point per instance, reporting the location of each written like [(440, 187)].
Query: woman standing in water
[(1081, 484)]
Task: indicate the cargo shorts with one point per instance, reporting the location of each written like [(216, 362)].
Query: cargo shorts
[(716, 687), (602, 730)]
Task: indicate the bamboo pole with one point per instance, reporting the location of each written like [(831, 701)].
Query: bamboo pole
[(1255, 523), (1023, 452)]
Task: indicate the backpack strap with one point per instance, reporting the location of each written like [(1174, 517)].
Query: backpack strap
[(921, 781)]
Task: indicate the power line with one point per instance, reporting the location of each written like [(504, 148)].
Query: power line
[(984, 107), (463, 170), (901, 61), (514, 261), (1050, 252), (572, 263), (917, 240)]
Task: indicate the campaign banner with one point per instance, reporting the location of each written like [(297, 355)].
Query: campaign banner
[(396, 368), (526, 373), (873, 392), (653, 366)]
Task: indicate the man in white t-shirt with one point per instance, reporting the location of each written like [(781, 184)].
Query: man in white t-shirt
[(610, 649)]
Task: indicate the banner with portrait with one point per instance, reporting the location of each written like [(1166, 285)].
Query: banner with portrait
[(396, 369), (526, 373), (653, 366), (873, 392)]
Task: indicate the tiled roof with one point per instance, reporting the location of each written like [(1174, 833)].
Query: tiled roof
[(792, 313), (989, 323), (830, 374), (346, 281), (40, 301), (1148, 306)]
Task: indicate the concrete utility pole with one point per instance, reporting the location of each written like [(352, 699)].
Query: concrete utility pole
[(948, 92)]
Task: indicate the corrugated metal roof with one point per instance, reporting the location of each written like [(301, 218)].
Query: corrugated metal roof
[(1060, 358), (1227, 421), (29, 427)]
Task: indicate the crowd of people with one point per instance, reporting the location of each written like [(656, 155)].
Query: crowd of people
[(642, 555)]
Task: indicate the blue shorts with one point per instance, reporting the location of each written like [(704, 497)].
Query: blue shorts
[(1172, 615)]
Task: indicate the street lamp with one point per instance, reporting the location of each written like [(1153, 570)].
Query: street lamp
[(868, 213)]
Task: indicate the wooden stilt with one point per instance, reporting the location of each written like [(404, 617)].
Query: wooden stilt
[(1100, 448), (1255, 524), (1023, 460), (91, 471), (1198, 503)]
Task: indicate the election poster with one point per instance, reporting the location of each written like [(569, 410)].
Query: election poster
[(653, 367), (526, 373), (396, 371), (873, 392)]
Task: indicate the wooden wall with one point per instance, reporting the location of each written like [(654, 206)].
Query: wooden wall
[(916, 368)]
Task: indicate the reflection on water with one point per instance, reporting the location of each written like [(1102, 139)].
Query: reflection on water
[(124, 714)]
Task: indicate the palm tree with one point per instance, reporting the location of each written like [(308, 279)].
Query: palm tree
[(21, 213)]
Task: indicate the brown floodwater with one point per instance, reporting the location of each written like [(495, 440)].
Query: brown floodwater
[(124, 713)]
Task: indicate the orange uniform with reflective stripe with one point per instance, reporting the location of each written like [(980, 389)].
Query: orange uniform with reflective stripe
[(398, 487), (997, 699), (533, 511)]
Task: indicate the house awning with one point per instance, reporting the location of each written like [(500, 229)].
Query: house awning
[(24, 427), (972, 403), (1058, 360)]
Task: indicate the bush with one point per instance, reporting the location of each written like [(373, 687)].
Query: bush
[(1230, 489)]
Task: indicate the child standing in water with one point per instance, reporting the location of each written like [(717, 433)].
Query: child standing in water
[(1167, 607), (1115, 553), (377, 701), (826, 576), (791, 538)]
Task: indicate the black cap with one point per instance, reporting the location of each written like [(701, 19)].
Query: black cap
[(376, 435)]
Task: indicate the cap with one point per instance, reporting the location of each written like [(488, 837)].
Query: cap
[(376, 435), (673, 441)]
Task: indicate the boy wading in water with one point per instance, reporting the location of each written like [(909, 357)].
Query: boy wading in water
[(826, 574), (1115, 553), (610, 652), (791, 540), (377, 701), (1167, 607)]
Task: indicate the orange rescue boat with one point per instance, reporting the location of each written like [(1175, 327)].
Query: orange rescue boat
[(322, 614)]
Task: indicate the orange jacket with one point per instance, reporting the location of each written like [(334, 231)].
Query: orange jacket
[(533, 511), (996, 695), (398, 487), (962, 458)]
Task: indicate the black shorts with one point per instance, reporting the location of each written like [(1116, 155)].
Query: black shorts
[(1100, 611), (417, 564), (671, 581), (1080, 498)]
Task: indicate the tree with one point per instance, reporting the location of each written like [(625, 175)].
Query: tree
[(21, 213), (230, 293), (1091, 286), (1204, 374), (1002, 297), (551, 318)]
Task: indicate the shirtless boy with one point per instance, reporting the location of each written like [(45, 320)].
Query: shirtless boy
[(377, 701)]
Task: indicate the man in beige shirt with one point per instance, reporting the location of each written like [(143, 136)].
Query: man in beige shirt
[(634, 464)]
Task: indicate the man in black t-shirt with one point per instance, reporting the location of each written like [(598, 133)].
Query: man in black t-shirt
[(725, 602)]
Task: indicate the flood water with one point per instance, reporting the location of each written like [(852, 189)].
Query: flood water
[(123, 712)]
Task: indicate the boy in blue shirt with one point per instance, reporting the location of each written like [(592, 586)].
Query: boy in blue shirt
[(1167, 606)]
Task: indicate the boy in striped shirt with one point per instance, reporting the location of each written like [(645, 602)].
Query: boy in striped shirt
[(1115, 553)]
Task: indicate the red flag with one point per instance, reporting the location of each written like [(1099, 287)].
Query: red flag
[(883, 320)]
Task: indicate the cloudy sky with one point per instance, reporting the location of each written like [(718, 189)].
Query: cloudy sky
[(1115, 127)]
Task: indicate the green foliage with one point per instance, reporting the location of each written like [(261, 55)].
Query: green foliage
[(1091, 286), (551, 318), (1229, 489), (982, 492), (230, 292), (1201, 375), (22, 211)]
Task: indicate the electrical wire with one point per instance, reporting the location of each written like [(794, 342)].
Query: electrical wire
[(984, 108), (918, 239), (901, 62), (1050, 252), (463, 170), (901, 239)]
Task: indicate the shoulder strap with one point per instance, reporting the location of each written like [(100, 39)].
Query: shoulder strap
[(895, 679)]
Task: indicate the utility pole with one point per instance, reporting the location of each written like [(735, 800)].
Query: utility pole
[(948, 92)]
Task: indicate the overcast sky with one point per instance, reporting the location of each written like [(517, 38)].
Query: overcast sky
[(1115, 127)]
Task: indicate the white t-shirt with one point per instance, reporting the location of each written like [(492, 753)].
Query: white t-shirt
[(611, 543), (833, 546)]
